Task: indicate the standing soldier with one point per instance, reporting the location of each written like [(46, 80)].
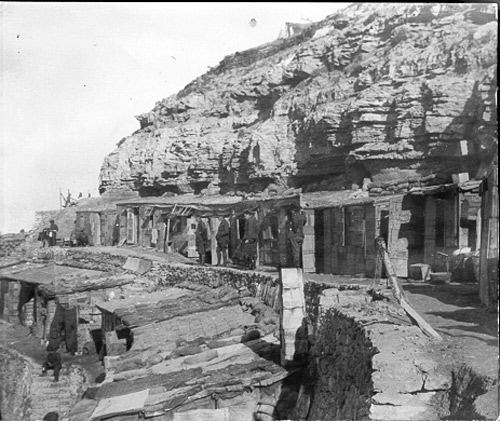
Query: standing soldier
[(250, 238), (52, 233), (222, 238), (201, 238), (296, 224)]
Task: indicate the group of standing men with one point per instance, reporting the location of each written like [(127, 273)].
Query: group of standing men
[(249, 240), (222, 238)]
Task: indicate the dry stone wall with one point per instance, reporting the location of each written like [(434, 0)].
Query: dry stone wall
[(343, 363), (369, 361), (15, 380)]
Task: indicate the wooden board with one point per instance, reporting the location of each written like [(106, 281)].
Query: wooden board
[(308, 247), (398, 246), (292, 310), (327, 221)]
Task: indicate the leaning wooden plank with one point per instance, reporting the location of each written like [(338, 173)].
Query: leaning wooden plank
[(399, 294)]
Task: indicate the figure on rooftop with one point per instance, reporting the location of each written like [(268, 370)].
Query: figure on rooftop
[(52, 233)]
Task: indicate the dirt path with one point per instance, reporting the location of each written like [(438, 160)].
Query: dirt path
[(470, 330)]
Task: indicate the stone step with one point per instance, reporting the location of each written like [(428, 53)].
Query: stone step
[(63, 402), (38, 416), (38, 412), (50, 394), (49, 378), (50, 384)]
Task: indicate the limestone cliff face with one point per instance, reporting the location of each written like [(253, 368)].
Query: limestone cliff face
[(379, 94)]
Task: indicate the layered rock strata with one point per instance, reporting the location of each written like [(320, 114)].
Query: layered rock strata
[(388, 96)]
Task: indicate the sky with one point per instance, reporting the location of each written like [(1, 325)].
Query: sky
[(73, 77)]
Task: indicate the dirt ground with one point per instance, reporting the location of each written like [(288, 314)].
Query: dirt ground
[(469, 329)]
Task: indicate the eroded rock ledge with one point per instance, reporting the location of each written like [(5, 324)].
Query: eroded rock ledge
[(383, 95)]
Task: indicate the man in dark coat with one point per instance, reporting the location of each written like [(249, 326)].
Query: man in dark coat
[(52, 233), (201, 235), (52, 362), (250, 238), (296, 224), (222, 238)]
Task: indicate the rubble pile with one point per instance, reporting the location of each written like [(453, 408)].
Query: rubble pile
[(11, 244)]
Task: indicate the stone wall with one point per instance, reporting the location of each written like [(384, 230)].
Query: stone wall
[(15, 381), (261, 285), (369, 361), (343, 363)]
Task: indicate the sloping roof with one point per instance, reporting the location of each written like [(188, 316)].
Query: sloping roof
[(47, 273), (439, 188), (94, 204), (170, 303), (9, 262), (55, 279), (142, 302), (185, 199), (325, 199), (225, 370)]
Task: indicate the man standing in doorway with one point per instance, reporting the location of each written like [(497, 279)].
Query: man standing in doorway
[(296, 224), (222, 238), (201, 235), (250, 238)]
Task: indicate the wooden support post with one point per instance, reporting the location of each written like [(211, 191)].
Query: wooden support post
[(399, 294), (167, 236), (293, 310)]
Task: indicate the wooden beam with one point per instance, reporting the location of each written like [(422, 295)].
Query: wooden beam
[(399, 294)]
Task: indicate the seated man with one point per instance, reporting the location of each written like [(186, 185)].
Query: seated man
[(82, 239), (53, 362)]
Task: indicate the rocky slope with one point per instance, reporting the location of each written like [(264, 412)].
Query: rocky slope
[(382, 95)]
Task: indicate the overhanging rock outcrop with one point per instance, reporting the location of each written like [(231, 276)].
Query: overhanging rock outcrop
[(383, 95)]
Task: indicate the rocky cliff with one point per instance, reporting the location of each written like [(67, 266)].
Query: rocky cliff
[(385, 96)]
